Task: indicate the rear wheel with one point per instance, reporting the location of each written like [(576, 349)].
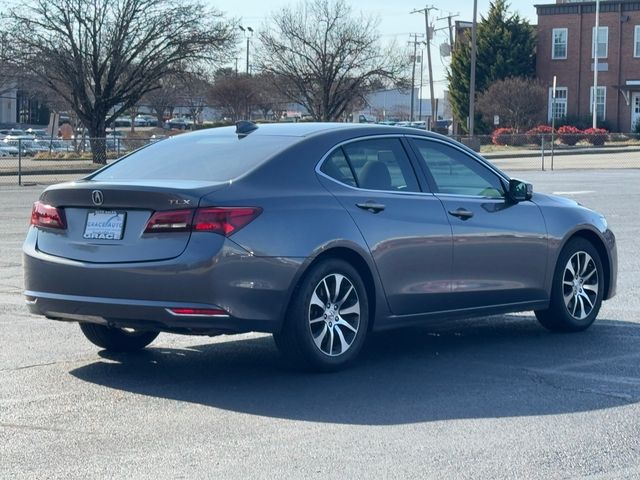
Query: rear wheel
[(328, 318), (117, 339), (577, 290)]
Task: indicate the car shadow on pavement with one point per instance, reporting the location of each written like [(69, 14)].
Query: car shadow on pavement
[(484, 368)]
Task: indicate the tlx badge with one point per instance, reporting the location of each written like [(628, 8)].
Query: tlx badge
[(179, 201)]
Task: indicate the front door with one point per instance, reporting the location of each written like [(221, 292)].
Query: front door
[(499, 247), (635, 109)]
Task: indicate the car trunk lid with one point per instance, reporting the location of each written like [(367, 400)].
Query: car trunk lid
[(105, 222)]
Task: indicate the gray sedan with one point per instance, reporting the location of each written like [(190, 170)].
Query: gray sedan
[(317, 233)]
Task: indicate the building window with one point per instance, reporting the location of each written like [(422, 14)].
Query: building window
[(559, 50), (601, 100), (558, 107), (601, 43), (636, 41)]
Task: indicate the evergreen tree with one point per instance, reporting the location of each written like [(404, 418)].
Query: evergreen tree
[(505, 48)]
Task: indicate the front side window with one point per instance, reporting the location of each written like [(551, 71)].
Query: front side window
[(559, 50), (381, 164), (456, 173), (557, 106), (600, 42)]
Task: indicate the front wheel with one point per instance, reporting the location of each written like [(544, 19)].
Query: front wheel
[(328, 318), (577, 290), (117, 339)]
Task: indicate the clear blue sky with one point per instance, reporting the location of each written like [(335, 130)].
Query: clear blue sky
[(395, 20)]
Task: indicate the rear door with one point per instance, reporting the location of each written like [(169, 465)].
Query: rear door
[(406, 229), (499, 247)]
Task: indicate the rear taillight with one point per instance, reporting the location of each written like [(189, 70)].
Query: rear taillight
[(198, 312), (171, 221), (222, 220), (47, 216)]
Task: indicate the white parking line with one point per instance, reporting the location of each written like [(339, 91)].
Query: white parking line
[(577, 192)]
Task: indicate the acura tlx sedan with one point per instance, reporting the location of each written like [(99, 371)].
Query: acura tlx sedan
[(316, 233)]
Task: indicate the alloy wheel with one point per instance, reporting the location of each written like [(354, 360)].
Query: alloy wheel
[(580, 285), (334, 314)]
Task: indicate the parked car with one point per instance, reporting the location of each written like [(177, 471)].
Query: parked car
[(315, 232), (37, 132), (179, 123), (122, 122), (145, 121)]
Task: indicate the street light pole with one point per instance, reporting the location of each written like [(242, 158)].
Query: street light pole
[(248, 33)]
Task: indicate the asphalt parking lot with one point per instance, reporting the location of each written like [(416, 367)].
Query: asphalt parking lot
[(495, 397)]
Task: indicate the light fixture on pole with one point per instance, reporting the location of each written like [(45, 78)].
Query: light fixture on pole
[(248, 33)]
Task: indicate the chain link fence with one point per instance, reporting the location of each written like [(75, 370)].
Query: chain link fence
[(26, 160), (517, 152)]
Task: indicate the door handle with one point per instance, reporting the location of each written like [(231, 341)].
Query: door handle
[(461, 213), (373, 207)]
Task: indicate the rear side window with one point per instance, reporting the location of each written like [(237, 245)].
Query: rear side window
[(337, 167), (211, 156), (376, 164)]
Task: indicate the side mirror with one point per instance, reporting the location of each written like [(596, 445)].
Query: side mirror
[(520, 191)]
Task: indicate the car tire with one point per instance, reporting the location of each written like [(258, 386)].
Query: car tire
[(327, 320), (577, 290), (117, 339)]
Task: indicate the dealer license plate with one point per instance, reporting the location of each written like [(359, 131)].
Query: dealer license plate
[(104, 225)]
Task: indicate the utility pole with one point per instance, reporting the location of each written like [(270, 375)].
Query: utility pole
[(472, 83), (413, 70), (426, 10), (449, 17)]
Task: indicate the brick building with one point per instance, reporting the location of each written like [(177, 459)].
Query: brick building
[(565, 48)]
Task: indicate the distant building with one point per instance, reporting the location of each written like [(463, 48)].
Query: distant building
[(566, 43), (395, 104), (8, 106)]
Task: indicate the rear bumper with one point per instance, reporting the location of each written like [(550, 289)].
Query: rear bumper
[(253, 291), (127, 313)]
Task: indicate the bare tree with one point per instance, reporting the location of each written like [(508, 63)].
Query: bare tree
[(162, 101), (521, 103), (234, 95), (268, 99), (324, 57), (195, 89), (103, 56)]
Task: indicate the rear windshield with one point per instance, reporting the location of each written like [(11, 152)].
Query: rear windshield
[(214, 156)]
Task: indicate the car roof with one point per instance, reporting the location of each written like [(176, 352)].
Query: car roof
[(306, 129)]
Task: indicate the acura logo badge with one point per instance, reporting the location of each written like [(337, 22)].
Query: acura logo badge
[(97, 197)]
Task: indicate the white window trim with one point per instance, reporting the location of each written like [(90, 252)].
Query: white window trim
[(594, 42), (604, 101), (553, 44), (636, 38), (565, 100)]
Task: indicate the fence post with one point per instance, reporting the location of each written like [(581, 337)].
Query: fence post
[(118, 146), (20, 162), (542, 150)]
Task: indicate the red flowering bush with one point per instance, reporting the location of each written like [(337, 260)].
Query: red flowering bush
[(596, 136), (569, 135), (503, 136), (535, 135)]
